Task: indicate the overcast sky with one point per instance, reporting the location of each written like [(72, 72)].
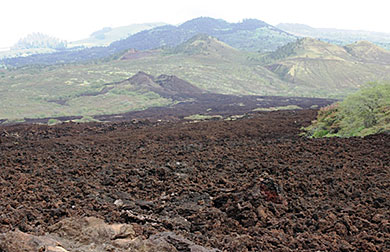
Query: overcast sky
[(76, 19)]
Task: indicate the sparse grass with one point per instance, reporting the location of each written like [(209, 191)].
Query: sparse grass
[(288, 107), (86, 119), (53, 121), (27, 92), (199, 117), (14, 121), (30, 91), (328, 70), (234, 117)]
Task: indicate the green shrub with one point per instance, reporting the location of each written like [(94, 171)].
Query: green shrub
[(362, 113), (320, 133), (53, 121)]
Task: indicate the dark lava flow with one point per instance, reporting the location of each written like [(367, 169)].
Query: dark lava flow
[(246, 185)]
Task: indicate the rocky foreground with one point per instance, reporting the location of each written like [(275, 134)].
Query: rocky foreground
[(251, 184)]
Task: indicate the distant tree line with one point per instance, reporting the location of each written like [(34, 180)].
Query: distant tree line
[(39, 40)]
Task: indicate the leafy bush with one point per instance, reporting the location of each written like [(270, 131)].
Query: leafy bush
[(362, 113), (53, 121)]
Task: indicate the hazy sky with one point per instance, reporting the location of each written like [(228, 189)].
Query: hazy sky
[(76, 19)]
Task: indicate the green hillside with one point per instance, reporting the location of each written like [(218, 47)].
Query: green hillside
[(369, 53), (248, 35), (337, 36), (211, 65), (204, 44), (80, 89), (362, 113), (306, 68), (329, 69)]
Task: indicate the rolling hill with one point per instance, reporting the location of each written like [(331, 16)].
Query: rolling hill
[(82, 89), (337, 36), (369, 53), (248, 35), (307, 67), (167, 86), (328, 68), (209, 64), (204, 44)]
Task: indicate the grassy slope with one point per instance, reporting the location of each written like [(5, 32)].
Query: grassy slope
[(28, 94), (329, 69), (249, 35), (337, 36), (22, 95), (23, 92), (322, 70), (362, 113)]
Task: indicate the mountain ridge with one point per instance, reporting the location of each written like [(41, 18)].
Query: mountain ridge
[(171, 36), (248, 35), (308, 67), (337, 36)]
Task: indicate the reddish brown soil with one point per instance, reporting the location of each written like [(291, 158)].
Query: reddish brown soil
[(246, 185)]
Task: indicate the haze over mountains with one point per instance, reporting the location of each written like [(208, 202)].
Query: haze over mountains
[(337, 36), (102, 37), (249, 35), (107, 35)]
